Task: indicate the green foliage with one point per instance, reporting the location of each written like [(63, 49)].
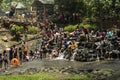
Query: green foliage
[(32, 30), (5, 4), (54, 19), (88, 20), (74, 6), (87, 23), (70, 27), (104, 8), (72, 14), (1, 1), (73, 27), (15, 29), (89, 26)]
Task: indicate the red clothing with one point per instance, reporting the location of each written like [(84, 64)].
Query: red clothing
[(85, 31)]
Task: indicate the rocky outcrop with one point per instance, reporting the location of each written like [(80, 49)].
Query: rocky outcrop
[(102, 74)]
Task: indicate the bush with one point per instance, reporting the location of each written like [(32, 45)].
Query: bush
[(15, 29), (70, 27), (89, 26), (73, 27), (86, 23), (32, 30)]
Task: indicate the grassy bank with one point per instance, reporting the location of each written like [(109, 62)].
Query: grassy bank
[(47, 76)]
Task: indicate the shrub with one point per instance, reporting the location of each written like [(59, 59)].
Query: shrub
[(70, 27), (73, 27), (15, 29), (89, 26), (86, 23), (32, 30), (87, 20)]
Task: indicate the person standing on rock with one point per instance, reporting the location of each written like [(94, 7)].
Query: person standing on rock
[(25, 34), (24, 48), (11, 54), (70, 50), (15, 51), (20, 55), (1, 60), (5, 59), (86, 33)]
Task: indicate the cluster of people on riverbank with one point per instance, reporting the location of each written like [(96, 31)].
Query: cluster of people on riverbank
[(18, 52), (55, 41)]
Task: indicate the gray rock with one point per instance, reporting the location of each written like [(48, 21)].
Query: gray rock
[(102, 77), (22, 72), (5, 39), (109, 75), (31, 73), (90, 70)]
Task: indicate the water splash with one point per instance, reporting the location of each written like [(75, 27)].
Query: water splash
[(61, 56), (73, 57)]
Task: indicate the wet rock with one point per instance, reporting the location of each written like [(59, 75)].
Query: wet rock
[(102, 77), (81, 71), (66, 68), (22, 72), (109, 75), (69, 66), (95, 72), (90, 70), (38, 70), (49, 70), (15, 73), (6, 73), (31, 73), (46, 70), (33, 70), (42, 69), (65, 73)]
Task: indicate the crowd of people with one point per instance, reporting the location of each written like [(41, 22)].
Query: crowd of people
[(55, 41)]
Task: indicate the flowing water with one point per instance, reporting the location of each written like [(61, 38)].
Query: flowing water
[(61, 56)]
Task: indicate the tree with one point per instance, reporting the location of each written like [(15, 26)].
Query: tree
[(71, 11), (104, 10), (1, 1)]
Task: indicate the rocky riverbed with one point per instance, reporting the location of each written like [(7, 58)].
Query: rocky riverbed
[(103, 70)]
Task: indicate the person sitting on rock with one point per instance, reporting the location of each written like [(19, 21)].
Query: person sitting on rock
[(20, 55), (86, 32)]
